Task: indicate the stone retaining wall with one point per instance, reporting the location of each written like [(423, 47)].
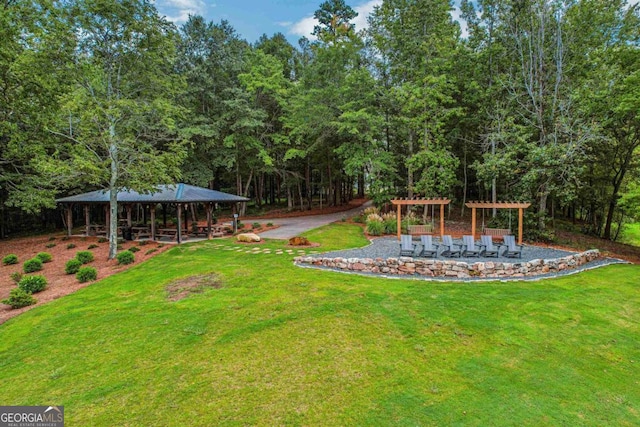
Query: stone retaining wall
[(451, 268)]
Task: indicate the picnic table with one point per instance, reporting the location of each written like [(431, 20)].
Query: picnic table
[(203, 230), (97, 230), (141, 231), (171, 233)]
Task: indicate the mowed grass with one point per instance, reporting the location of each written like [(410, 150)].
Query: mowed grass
[(282, 345), (631, 234)]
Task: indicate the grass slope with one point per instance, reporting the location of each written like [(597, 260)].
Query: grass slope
[(277, 344), (631, 234)]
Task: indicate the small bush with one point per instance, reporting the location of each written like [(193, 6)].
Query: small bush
[(19, 298), (71, 246), (125, 257), (269, 224), (65, 238), (72, 266), (52, 238), (255, 225), (150, 251), (103, 240), (31, 265), (84, 256), (44, 257), (161, 245), (32, 284), (143, 243), (119, 246), (375, 228), (50, 245), (16, 276), (92, 246), (86, 274), (10, 259), (134, 249)]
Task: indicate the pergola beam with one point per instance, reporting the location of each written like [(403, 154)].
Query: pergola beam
[(442, 201), (521, 206)]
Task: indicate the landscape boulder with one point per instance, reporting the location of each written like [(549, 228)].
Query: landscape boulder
[(248, 237)]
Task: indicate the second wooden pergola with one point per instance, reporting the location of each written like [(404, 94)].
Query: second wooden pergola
[(521, 206), (420, 201)]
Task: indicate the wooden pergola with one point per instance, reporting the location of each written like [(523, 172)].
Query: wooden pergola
[(421, 201), (521, 206)]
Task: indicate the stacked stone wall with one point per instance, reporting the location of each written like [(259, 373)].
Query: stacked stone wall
[(451, 268)]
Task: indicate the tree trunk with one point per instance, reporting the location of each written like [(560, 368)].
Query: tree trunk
[(409, 169), (308, 183), (113, 195)]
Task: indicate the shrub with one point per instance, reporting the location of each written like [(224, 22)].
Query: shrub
[(31, 265), (19, 298), (44, 257), (390, 221), (52, 238), (92, 246), (50, 245), (71, 246), (134, 249), (255, 225), (103, 240), (125, 257), (32, 284), (65, 238), (269, 224), (371, 210), (16, 276), (10, 259), (72, 266), (86, 274), (150, 251), (375, 228), (84, 256), (144, 243)]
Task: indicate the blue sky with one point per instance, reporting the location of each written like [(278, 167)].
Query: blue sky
[(252, 18)]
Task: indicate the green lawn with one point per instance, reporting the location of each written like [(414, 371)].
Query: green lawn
[(631, 234), (281, 345)]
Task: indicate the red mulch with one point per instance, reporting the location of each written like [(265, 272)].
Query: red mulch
[(60, 283)]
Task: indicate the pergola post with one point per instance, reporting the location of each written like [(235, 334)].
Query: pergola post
[(152, 212), (399, 221), (441, 221), (520, 226), (179, 223), (473, 222), (87, 220), (69, 212)]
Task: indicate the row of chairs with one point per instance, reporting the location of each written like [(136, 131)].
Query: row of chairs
[(468, 248)]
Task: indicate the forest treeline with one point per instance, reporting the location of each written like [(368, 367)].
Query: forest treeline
[(538, 101)]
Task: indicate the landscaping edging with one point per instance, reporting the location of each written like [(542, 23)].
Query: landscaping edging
[(451, 268)]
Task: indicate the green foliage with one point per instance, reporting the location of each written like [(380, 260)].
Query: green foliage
[(134, 249), (125, 257), (390, 221), (52, 238), (19, 298), (34, 264), (375, 224), (50, 245), (16, 276), (72, 266), (84, 256), (86, 274), (92, 246), (44, 257), (269, 224), (143, 243), (32, 284), (71, 246), (255, 225), (150, 251), (10, 259), (102, 240)]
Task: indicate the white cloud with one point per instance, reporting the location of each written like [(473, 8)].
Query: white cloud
[(181, 9), (364, 10), (456, 14), (304, 27)]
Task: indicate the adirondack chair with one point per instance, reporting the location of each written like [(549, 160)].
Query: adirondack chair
[(488, 248), (469, 247), (407, 247), (450, 248), (429, 250), (512, 250)]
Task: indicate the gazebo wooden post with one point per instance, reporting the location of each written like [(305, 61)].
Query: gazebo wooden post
[(87, 220), (520, 215), (108, 218), (399, 219), (152, 212), (209, 220), (179, 223), (473, 222), (128, 209), (69, 212), (441, 220)]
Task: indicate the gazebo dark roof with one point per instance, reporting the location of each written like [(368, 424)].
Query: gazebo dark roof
[(176, 193)]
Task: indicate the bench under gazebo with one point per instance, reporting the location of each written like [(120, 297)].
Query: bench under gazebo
[(521, 206), (178, 195), (442, 202)]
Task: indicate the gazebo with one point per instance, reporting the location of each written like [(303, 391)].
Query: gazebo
[(521, 206), (421, 201), (179, 195)]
